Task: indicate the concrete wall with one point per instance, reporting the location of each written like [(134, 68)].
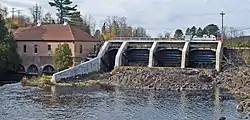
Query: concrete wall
[(93, 65)]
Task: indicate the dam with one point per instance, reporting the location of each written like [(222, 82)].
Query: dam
[(205, 52)]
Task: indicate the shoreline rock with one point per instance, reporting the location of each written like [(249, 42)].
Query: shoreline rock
[(162, 78)]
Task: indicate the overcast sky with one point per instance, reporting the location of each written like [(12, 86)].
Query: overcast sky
[(156, 16)]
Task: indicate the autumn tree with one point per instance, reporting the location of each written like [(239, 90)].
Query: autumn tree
[(64, 8), (117, 27), (62, 57)]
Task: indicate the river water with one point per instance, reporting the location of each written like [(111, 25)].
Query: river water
[(77, 103)]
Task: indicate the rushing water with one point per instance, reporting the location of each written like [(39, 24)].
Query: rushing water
[(75, 103)]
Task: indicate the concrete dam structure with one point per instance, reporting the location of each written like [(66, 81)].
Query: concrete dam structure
[(203, 52)]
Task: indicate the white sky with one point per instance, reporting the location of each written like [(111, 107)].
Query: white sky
[(156, 16)]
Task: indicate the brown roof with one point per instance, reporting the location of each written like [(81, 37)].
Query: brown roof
[(52, 32)]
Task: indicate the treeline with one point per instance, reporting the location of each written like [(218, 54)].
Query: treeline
[(113, 26), (210, 29)]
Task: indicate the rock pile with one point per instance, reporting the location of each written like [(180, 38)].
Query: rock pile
[(162, 78)]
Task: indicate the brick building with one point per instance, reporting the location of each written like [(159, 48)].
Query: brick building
[(37, 44)]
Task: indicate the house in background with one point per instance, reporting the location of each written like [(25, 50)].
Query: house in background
[(37, 44)]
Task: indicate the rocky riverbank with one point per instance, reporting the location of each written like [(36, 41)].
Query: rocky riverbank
[(237, 80), (162, 78)]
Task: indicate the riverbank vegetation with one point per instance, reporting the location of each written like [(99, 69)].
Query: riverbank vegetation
[(236, 44), (37, 81), (87, 80)]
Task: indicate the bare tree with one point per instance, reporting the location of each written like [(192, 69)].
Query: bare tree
[(139, 32), (47, 19), (24, 20), (167, 34), (91, 22), (232, 32)]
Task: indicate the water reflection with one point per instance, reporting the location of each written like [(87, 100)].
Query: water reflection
[(96, 104)]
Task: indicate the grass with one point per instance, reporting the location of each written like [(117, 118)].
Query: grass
[(37, 81), (44, 80), (239, 44)]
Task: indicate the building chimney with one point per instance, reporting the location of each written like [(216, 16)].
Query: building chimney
[(65, 23), (38, 23)]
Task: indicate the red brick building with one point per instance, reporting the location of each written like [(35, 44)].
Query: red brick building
[(37, 44)]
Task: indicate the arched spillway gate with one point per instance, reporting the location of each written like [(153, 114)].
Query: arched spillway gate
[(108, 59), (202, 55), (137, 54), (152, 53), (168, 54)]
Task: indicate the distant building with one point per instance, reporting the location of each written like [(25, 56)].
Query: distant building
[(37, 44)]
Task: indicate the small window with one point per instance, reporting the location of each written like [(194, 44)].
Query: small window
[(49, 47), (80, 48), (35, 49), (24, 49)]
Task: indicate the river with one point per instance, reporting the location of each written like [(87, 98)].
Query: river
[(77, 103)]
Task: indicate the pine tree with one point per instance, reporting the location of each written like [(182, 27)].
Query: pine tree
[(188, 31), (199, 32), (64, 9)]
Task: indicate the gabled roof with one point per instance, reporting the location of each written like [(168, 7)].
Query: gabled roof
[(52, 32)]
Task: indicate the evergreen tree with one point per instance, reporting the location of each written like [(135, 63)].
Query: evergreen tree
[(188, 31), (64, 9), (193, 31), (9, 58), (77, 21), (211, 29), (199, 32), (178, 33), (63, 57)]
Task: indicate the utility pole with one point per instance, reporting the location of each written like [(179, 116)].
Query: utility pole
[(18, 13), (36, 13), (13, 12), (222, 25)]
